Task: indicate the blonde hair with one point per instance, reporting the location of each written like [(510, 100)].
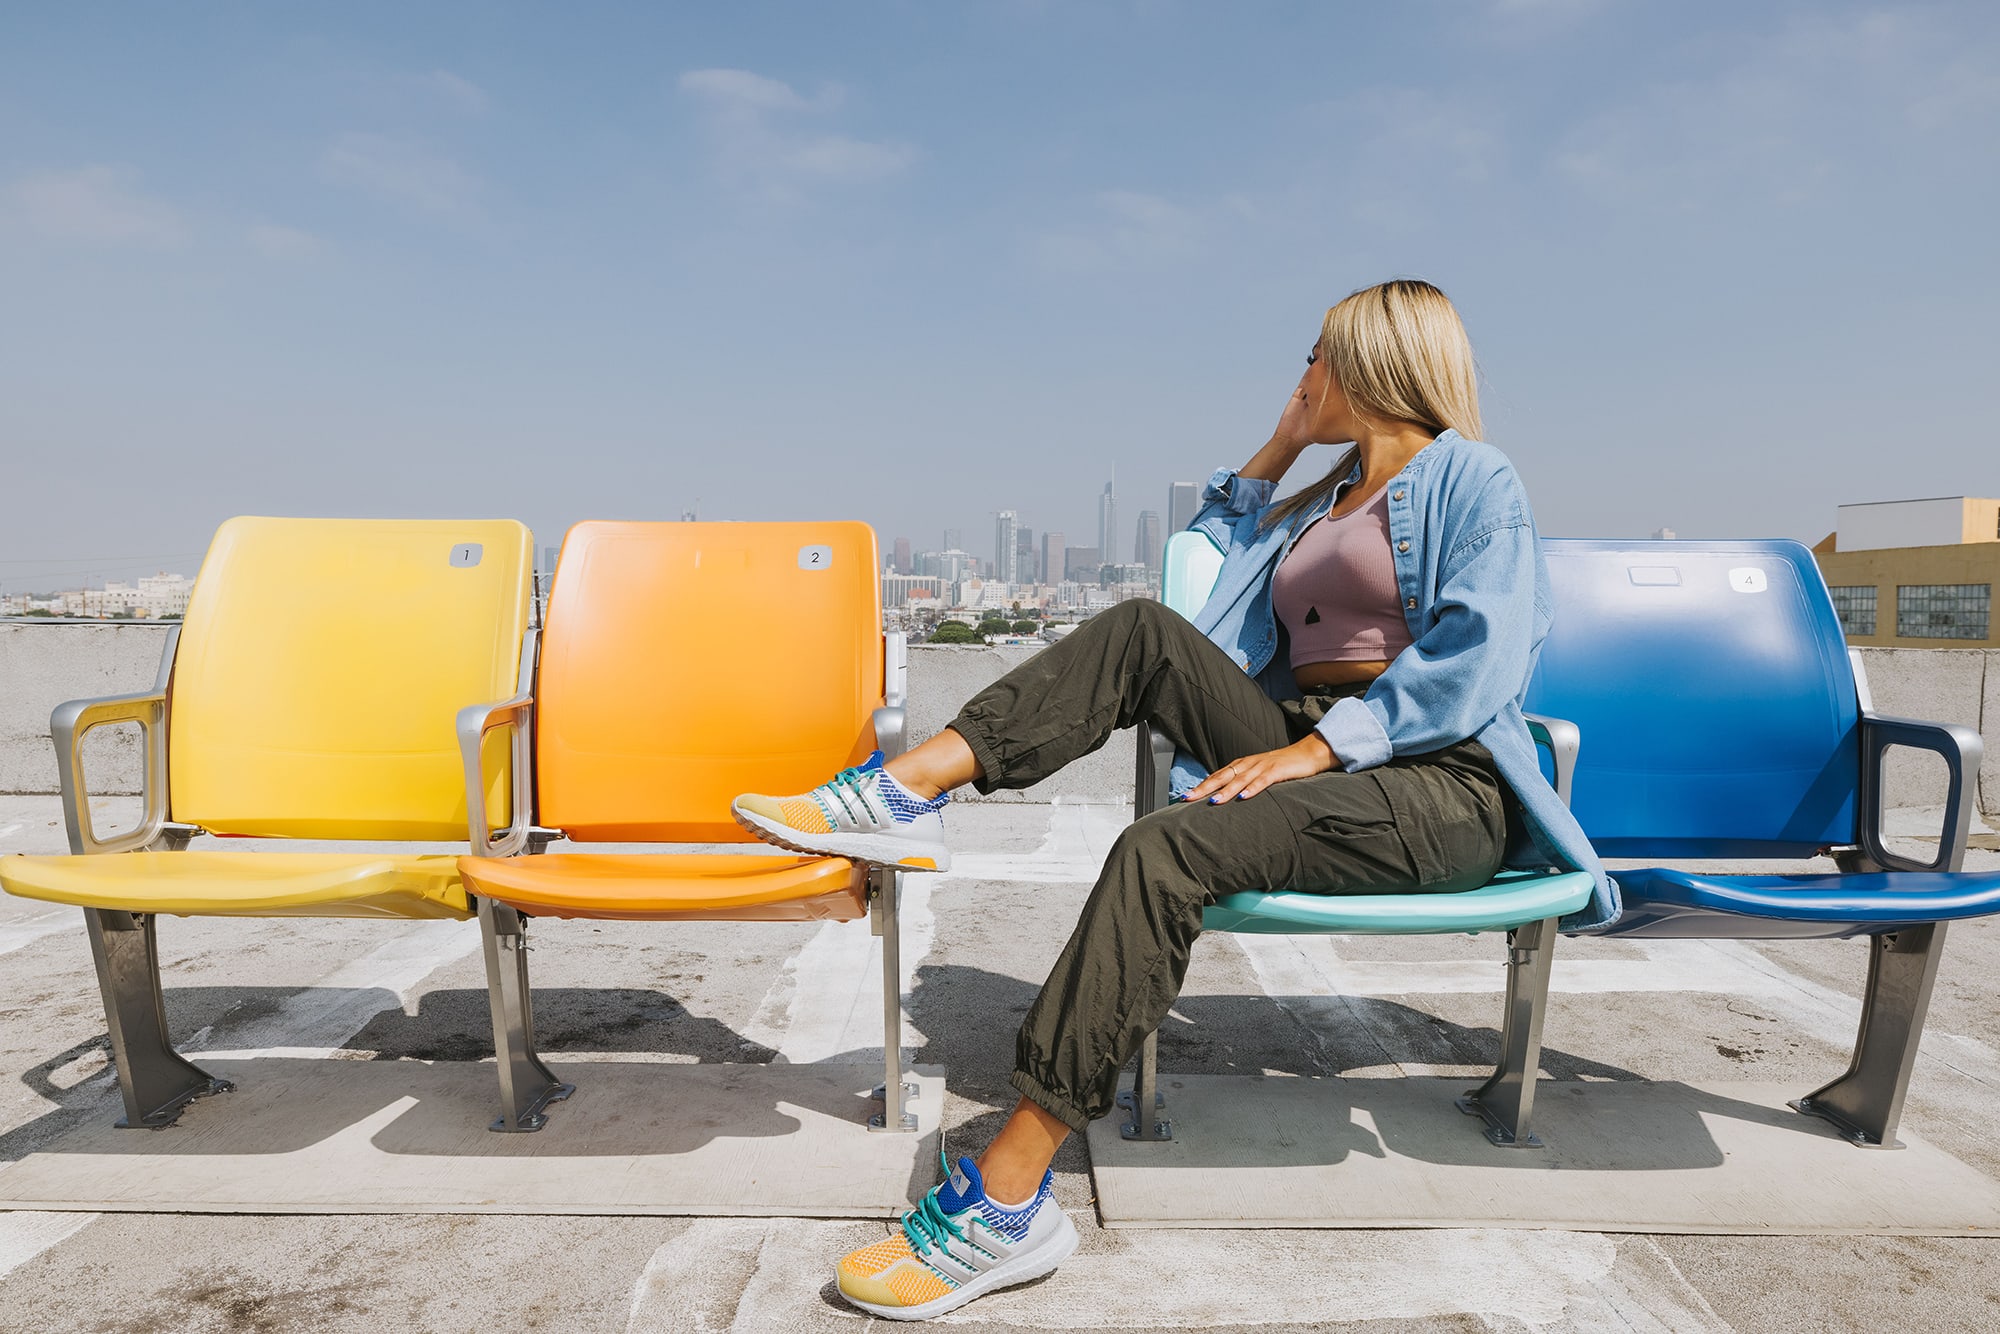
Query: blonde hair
[(1399, 353)]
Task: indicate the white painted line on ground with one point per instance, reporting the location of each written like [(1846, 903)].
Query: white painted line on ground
[(8, 830), (1079, 838), (743, 1274), (312, 1022), (26, 1233), (321, 1017), (828, 1000), (25, 931)]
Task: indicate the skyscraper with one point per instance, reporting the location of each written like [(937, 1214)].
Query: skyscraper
[(1107, 521), (1146, 541), (1182, 499), (1006, 547), (903, 555), (1029, 570), (1055, 564), (954, 539)]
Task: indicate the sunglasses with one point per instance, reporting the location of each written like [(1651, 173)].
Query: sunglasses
[(1312, 357)]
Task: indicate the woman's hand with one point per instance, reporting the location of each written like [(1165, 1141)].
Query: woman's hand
[(1294, 428), (1250, 775)]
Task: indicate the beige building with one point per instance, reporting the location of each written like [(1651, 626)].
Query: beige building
[(1915, 573)]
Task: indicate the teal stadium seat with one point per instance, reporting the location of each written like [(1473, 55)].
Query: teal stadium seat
[(1524, 905)]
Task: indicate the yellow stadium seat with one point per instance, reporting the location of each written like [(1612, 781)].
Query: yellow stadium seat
[(309, 693), (682, 664)]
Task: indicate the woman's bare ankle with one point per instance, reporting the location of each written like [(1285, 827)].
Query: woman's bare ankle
[(939, 765)]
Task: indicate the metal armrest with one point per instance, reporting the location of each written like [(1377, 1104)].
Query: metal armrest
[(1962, 750), (892, 718), (474, 722), (1562, 739), (1152, 782), (70, 724)]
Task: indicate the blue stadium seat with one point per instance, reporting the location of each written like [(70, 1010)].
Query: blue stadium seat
[(1726, 719)]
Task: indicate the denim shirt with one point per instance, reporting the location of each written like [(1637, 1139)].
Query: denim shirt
[(1476, 596)]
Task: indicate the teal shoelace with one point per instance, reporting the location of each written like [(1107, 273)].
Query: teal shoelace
[(847, 780), (928, 1225)]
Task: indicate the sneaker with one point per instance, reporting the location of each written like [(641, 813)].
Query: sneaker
[(957, 1245), (863, 813)]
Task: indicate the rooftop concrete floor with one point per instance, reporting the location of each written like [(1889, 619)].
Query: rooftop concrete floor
[(977, 943)]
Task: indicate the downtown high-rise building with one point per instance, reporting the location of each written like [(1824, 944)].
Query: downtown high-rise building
[(954, 539), (1147, 543), (903, 556), (1182, 500), (1107, 521), (1026, 566), (1006, 547), (1055, 562)]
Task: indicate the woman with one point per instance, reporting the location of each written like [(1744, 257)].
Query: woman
[(1351, 696)]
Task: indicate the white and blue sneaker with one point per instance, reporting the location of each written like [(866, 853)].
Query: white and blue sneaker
[(862, 813), (957, 1245)]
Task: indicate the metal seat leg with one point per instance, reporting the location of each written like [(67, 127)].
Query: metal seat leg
[(895, 1093), (1150, 1124), (527, 1086), (156, 1080), (1506, 1100), (1866, 1103)]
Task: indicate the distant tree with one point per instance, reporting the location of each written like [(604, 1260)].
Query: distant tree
[(956, 632), (1025, 627), (993, 625)]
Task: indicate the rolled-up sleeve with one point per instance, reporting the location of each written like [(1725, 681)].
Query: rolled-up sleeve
[(1230, 493), (1463, 670)]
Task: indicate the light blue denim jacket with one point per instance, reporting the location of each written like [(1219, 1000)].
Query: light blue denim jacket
[(1476, 595)]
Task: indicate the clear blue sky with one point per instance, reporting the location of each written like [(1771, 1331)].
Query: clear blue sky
[(1726, 265)]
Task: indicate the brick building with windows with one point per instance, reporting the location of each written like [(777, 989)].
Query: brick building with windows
[(1915, 573)]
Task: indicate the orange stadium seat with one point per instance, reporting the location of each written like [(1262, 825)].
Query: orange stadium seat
[(670, 680)]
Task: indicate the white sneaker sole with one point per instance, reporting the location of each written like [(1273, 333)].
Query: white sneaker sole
[(885, 849), (1022, 1268)]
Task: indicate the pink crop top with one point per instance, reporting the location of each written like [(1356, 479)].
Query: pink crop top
[(1335, 590)]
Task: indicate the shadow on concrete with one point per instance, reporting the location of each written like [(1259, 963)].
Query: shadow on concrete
[(450, 1026), (969, 1018)]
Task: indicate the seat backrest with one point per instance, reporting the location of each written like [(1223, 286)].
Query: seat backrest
[(1714, 693), (1188, 570), (684, 663), (321, 666)]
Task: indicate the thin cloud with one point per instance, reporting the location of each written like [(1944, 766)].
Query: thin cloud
[(1127, 227), (762, 134), (1793, 118), (403, 171), (276, 242), (457, 92), (98, 204)]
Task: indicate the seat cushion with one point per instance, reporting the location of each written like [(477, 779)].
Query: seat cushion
[(1664, 903), (1513, 899), (246, 884), (663, 887)]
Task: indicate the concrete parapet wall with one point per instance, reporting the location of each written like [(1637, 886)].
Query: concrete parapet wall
[(1943, 686), (43, 664), (943, 677)]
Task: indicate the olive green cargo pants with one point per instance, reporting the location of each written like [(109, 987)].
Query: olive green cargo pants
[(1420, 822)]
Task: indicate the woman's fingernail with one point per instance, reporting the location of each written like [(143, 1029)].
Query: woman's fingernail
[(1213, 800)]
